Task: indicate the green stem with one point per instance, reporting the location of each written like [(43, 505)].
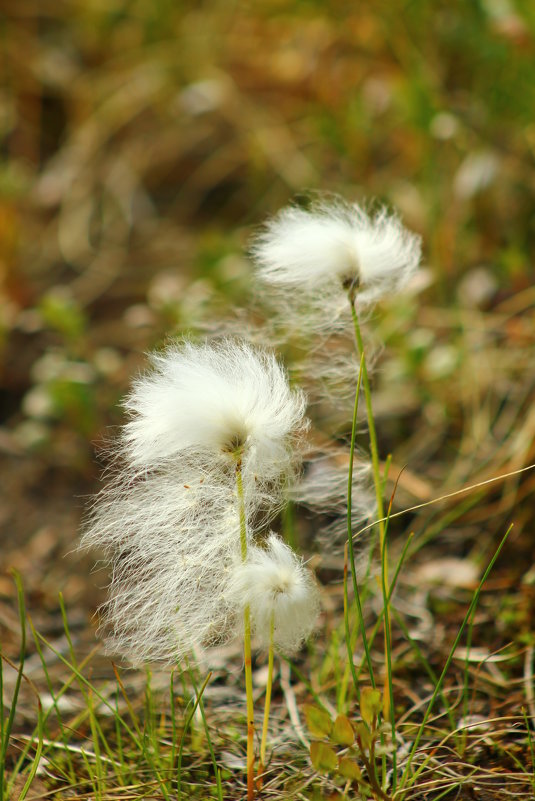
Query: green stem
[(246, 640), (350, 667), (371, 423), (388, 708), (269, 685), (241, 510), (388, 703), (187, 724), (356, 592)]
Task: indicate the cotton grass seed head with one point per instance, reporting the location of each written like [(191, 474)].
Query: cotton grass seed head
[(334, 248), (219, 401), (274, 582), (169, 520)]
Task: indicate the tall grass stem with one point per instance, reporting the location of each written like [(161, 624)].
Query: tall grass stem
[(356, 591), (246, 640), (379, 486), (269, 685), (185, 731)]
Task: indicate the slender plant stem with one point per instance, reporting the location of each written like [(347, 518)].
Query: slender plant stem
[(348, 633), (390, 593), (268, 694), (388, 705), (351, 637), (217, 772), (371, 423), (246, 641), (356, 591)]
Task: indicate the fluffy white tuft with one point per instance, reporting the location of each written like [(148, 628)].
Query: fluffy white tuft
[(323, 489), (333, 246), (210, 399), (169, 521), (274, 582), (171, 549)]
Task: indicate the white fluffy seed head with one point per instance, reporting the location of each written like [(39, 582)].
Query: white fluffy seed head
[(335, 246), (209, 401), (168, 522), (275, 583)]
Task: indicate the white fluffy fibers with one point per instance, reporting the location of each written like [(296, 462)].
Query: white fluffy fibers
[(323, 489), (335, 246), (171, 549), (169, 522), (204, 402), (274, 582)]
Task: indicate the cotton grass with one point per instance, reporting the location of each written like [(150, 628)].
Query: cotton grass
[(325, 267), (321, 253), (169, 522), (279, 590), (202, 402)]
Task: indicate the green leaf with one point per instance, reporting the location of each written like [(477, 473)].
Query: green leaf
[(318, 721), (349, 769), (323, 758), (370, 704), (364, 735), (342, 732)]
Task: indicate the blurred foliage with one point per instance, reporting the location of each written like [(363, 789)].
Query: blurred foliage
[(142, 142)]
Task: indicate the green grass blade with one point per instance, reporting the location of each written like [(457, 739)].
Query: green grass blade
[(356, 591), (7, 727), (184, 732), (206, 729), (404, 779)]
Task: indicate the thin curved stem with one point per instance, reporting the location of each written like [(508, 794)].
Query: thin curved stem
[(356, 592), (269, 685), (246, 641), (371, 423), (388, 700)]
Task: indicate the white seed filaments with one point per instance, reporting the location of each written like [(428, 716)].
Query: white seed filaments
[(169, 522), (332, 250), (199, 399), (323, 489), (278, 587)]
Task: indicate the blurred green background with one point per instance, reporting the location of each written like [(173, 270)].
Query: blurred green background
[(143, 142)]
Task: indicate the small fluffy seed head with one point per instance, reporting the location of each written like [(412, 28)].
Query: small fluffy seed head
[(274, 582), (335, 247)]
